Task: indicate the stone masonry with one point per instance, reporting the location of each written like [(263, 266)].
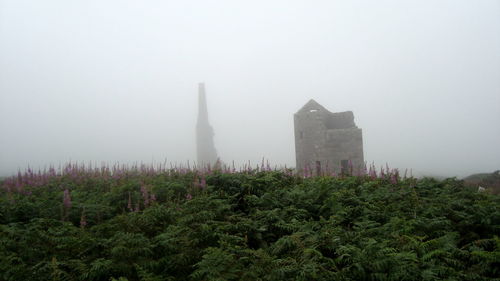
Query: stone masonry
[(326, 142), (205, 148)]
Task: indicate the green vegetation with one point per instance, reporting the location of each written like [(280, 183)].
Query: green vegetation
[(490, 182), (269, 225)]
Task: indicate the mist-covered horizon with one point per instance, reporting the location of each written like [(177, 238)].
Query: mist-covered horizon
[(116, 81)]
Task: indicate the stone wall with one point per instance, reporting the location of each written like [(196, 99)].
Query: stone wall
[(323, 139)]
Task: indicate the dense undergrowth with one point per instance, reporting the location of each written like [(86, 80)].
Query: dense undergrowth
[(269, 225)]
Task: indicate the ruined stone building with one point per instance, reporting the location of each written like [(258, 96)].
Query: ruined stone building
[(326, 142), (205, 148)]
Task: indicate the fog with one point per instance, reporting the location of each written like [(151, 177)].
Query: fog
[(116, 81)]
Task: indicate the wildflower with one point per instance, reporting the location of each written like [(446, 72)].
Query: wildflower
[(373, 172), (203, 183), (52, 172), (382, 174), (189, 196), (394, 178), (306, 171)]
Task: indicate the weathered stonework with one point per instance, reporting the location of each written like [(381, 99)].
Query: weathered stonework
[(326, 142), (205, 148)]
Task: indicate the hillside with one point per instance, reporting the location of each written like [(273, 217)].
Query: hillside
[(179, 224), (489, 181)]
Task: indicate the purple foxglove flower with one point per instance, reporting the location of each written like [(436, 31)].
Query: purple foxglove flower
[(189, 196), (394, 178), (373, 173)]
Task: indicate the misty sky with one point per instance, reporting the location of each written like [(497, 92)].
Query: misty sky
[(116, 80)]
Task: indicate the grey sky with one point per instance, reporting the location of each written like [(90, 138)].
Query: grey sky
[(116, 81)]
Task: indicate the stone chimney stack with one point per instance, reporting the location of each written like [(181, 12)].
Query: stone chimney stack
[(205, 148)]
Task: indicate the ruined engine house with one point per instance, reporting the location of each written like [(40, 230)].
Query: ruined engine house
[(326, 142)]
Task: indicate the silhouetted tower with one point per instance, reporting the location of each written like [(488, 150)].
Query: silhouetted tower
[(205, 149), (326, 141)]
